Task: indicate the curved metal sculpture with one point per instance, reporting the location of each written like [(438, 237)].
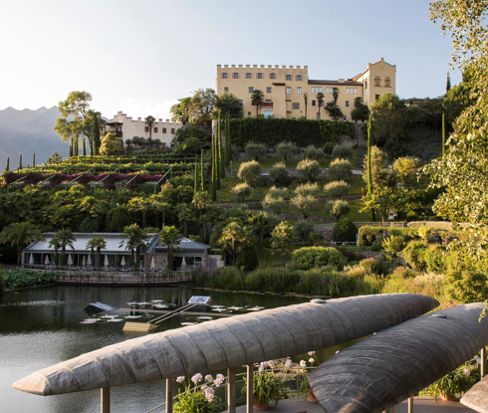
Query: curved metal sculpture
[(477, 397), (392, 365), (231, 342)]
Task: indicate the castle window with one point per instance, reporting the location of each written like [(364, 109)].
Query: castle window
[(224, 75), (352, 90), (248, 113), (146, 129), (155, 130), (248, 75), (299, 78), (295, 105), (299, 90), (317, 90), (173, 131), (313, 102), (347, 103), (272, 75), (259, 75), (329, 90), (377, 81), (226, 89), (164, 130), (387, 82), (288, 90), (288, 77), (235, 75), (268, 89), (251, 89)]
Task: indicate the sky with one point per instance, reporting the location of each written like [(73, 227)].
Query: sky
[(141, 56)]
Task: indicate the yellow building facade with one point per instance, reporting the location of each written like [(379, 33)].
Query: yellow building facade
[(290, 93)]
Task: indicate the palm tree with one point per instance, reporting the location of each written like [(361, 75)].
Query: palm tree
[(62, 239), (305, 100), (320, 102), (96, 244), (169, 236), (257, 99), (149, 123), (233, 236), (136, 240), (19, 235)]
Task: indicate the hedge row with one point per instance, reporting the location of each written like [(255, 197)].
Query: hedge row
[(300, 131), (371, 236), (20, 278)]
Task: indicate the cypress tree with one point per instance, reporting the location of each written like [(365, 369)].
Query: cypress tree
[(20, 161), (202, 176), (195, 177), (448, 83), (34, 160), (228, 147), (71, 147), (7, 169), (84, 147), (214, 181), (443, 134), (220, 148), (368, 161)]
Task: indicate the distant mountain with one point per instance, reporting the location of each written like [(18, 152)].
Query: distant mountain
[(26, 132)]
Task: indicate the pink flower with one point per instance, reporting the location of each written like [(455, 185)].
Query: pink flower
[(197, 378), (208, 378), (180, 379)]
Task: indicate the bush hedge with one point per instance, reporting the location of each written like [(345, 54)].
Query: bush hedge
[(20, 278), (300, 131), (306, 258), (372, 236)]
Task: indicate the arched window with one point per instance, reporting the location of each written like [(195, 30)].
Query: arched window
[(387, 82), (377, 81)]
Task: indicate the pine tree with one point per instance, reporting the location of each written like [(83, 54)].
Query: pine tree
[(202, 176), (443, 134), (370, 173)]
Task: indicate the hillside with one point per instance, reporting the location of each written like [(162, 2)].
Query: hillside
[(26, 132)]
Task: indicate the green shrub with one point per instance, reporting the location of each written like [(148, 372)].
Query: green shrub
[(426, 284), (392, 245), (312, 152), (20, 278), (307, 189), (315, 257), (434, 258), (287, 150), (338, 208), (227, 278), (255, 151), (328, 147), (414, 255), (403, 272), (249, 172), (342, 151), (242, 191), (279, 174), (272, 279), (340, 168), (371, 265), (344, 231), (372, 236), (309, 169), (336, 189)]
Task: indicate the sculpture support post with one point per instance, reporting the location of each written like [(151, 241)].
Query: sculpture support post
[(250, 390), (231, 390), (105, 400), (169, 396), (483, 362), (410, 404)]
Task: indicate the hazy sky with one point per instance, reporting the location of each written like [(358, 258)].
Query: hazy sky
[(140, 56)]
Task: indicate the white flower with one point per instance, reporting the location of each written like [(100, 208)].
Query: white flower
[(311, 360), (180, 379), (303, 363), (288, 363), (208, 378), (262, 366), (197, 378), (209, 394), (219, 380), (311, 353)]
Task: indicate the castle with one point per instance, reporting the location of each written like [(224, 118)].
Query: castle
[(290, 93)]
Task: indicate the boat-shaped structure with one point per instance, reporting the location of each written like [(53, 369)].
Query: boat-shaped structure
[(392, 365), (231, 342)]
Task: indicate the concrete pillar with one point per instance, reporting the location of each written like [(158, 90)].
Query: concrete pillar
[(483, 362), (169, 396), (249, 390), (231, 390), (410, 405), (105, 400)]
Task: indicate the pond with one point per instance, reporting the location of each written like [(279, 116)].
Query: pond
[(41, 327)]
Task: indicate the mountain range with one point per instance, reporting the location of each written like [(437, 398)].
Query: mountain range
[(25, 132)]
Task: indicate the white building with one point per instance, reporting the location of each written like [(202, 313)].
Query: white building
[(127, 128)]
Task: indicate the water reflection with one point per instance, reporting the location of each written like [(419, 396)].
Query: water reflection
[(41, 327)]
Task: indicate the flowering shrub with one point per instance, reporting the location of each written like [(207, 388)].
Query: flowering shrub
[(198, 395)]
